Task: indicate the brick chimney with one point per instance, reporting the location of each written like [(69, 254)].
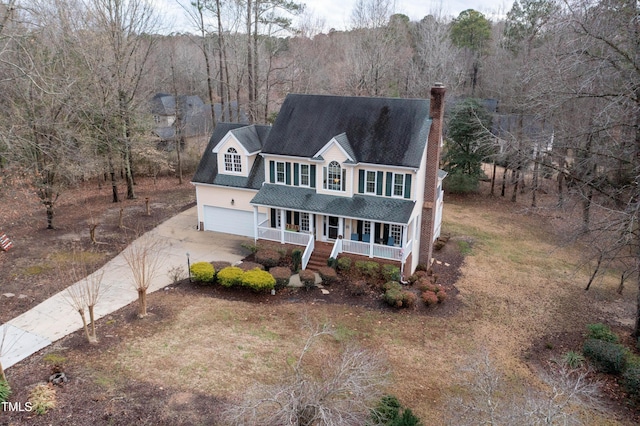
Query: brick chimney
[(436, 112)]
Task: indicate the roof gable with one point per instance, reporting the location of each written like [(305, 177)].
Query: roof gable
[(386, 131), (342, 142)]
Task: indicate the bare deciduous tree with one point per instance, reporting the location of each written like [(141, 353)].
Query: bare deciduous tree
[(345, 392), (143, 257)]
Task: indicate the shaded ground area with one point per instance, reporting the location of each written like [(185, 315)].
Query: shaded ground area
[(34, 269)]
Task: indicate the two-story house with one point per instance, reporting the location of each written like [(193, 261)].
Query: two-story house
[(358, 173)]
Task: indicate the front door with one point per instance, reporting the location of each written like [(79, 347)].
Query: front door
[(331, 227)]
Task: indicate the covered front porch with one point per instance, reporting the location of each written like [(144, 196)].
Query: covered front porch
[(376, 227)]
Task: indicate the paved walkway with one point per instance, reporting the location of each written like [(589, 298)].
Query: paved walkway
[(55, 318)]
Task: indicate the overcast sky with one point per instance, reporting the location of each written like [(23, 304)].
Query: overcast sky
[(336, 13)]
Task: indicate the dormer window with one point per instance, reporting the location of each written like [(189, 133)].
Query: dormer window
[(334, 177), (232, 161)]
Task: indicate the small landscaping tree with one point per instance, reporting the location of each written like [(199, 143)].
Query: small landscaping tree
[(143, 257)]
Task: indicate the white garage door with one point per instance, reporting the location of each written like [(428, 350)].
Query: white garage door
[(230, 221)]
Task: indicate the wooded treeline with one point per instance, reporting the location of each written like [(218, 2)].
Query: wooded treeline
[(76, 78)]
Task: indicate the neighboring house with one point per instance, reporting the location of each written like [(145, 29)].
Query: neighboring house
[(358, 173), (189, 115)]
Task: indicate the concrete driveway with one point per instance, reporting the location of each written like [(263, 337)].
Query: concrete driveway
[(55, 318)]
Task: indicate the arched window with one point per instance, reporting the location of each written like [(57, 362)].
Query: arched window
[(334, 176), (232, 161)]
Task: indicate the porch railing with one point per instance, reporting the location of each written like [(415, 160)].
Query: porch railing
[(275, 234), (337, 248), (307, 253), (298, 238), (374, 250)]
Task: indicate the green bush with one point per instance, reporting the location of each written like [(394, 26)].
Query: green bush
[(332, 262), (282, 275), (344, 264), (631, 381), (230, 276), (328, 275), (601, 332), (368, 268), (202, 272), (607, 356), (573, 359), (390, 273), (307, 278), (258, 280), (389, 412), (397, 297), (267, 257), (296, 258), (5, 391), (461, 183)]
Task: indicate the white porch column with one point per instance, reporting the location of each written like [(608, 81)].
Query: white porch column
[(372, 238), (312, 224), (283, 217), (403, 250), (341, 226), (255, 224)]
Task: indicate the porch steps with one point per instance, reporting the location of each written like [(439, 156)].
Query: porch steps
[(320, 255)]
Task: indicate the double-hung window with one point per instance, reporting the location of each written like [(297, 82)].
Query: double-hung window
[(370, 182), (395, 231), (304, 175), (398, 185), (232, 161), (280, 172)]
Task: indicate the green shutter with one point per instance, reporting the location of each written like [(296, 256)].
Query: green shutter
[(287, 177), (407, 186), (296, 218), (361, 181), (389, 183), (296, 173), (379, 183), (312, 175), (343, 183), (289, 217), (272, 172), (324, 178), (273, 218)]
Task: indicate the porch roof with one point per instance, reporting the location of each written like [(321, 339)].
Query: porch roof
[(379, 209)]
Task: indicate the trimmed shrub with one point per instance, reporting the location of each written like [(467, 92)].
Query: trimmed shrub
[(441, 295), (332, 262), (328, 275), (258, 280), (368, 268), (418, 275), (344, 264), (390, 272), (601, 332), (397, 297), (607, 356), (296, 258), (267, 257), (429, 298), (202, 272), (425, 284), (250, 266), (422, 267), (5, 391), (408, 299), (307, 278), (230, 276), (631, 381), (358, 288), (282, 275)]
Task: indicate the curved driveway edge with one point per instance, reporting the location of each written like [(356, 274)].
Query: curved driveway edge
[(54, 318)]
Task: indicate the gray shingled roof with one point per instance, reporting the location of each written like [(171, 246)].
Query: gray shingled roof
[(249, 137), (366, 207), (207, 171), (388, 131), (343, 140)]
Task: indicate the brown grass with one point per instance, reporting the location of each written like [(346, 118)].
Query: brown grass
[(518, 285)]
